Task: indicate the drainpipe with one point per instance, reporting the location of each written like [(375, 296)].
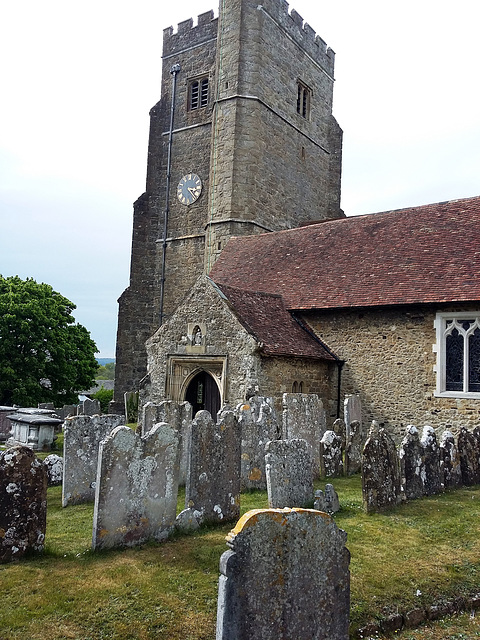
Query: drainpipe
[(174, 70), (339, 385)]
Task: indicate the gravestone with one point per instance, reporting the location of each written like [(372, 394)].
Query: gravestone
[(354, 448), (431, 454), (82, 437), (304, 418), (5, 424), (54, 468), (137, 487), (258, 423), (450, 461), (352, 410), (89, 407), (285, 576), (179, 416), (34, 428), (213, 482), (327, 501), (289, 471), (23, 503), (468, 450), (381, 486), (340, 430), (331, 455), (412, 464)]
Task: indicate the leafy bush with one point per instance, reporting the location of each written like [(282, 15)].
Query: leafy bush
[(104, 396)]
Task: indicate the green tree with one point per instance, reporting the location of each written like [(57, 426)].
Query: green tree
[(104, 396), (106, 371), (44, 355)]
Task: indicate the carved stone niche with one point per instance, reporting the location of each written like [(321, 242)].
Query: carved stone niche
[(196, 337)]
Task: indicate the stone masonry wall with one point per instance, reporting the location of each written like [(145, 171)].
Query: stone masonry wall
[(389, 363)]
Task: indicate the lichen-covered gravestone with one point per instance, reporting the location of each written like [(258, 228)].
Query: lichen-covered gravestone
[(352, 410), (23, 503), (285, 576), (433, 482), (304, 418), (82, 437), (259, 424), (354, 448), (412, 467), (137, 487), (179, 416), (289, 470), (381, 486), (331, 455), (450, 461), (54, 466), (468, 449), (212, 491)]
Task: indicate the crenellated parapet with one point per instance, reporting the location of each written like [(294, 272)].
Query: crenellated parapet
[(301, 32), (189, 35)]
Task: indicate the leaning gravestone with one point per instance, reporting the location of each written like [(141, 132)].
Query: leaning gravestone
[(137, 487), (412, 464), (179, 416), (331, 455), (285, 576), (304, 418), (82, 437), (289, 471), (431, 454), (468, 450), (450, 461), (23, 503), (258, 424), (212, 492), (340, 430), (381, 486)]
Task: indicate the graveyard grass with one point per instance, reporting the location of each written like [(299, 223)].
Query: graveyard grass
[(414, 555)]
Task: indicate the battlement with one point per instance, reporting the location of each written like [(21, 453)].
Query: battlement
[(190, 35), (301, 32)]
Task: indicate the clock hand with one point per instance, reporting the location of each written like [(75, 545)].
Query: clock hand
[(192, 190)]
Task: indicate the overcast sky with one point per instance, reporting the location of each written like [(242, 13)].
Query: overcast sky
[(79, 78)]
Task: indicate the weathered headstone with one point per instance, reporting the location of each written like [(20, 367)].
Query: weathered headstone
[(332, 503), (340, 430), (89, 407), (258, 424), (137, 487), (433, 482), (288, 467), (450, 461), (381, 486), (331, 455), (354, 448), (412, 464), (285, 576), (54, 467), (352, 410), (82, 437), (179, 416), (23, 503), (213, 481), (304, 418), (5, 424), (468, 450)]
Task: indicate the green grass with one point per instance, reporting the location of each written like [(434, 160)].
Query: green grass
[(169, 591)]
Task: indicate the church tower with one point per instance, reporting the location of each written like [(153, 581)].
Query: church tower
[(242, 142)]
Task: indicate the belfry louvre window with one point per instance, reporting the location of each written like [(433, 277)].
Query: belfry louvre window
[(198, 93), (458, 354), (304, 95)]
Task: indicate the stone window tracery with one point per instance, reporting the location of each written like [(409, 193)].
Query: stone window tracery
[(458, 354), (198, 93)]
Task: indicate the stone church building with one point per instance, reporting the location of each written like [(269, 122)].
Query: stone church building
[(246, 277)]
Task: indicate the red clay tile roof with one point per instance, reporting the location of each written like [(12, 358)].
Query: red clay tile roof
[(427, 254), (264, 316)]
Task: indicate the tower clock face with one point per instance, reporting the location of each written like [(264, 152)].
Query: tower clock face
[(189, 188)]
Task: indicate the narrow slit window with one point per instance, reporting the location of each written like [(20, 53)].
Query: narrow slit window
[(304, 95)]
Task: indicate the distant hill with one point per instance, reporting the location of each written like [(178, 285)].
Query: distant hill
[(104, 361)]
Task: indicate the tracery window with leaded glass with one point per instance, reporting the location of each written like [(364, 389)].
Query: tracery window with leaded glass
[(458, 349)]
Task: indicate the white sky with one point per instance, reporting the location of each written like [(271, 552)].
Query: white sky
[(79, 78)]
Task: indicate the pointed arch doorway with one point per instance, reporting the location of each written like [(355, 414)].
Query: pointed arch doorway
[(202, 393)]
